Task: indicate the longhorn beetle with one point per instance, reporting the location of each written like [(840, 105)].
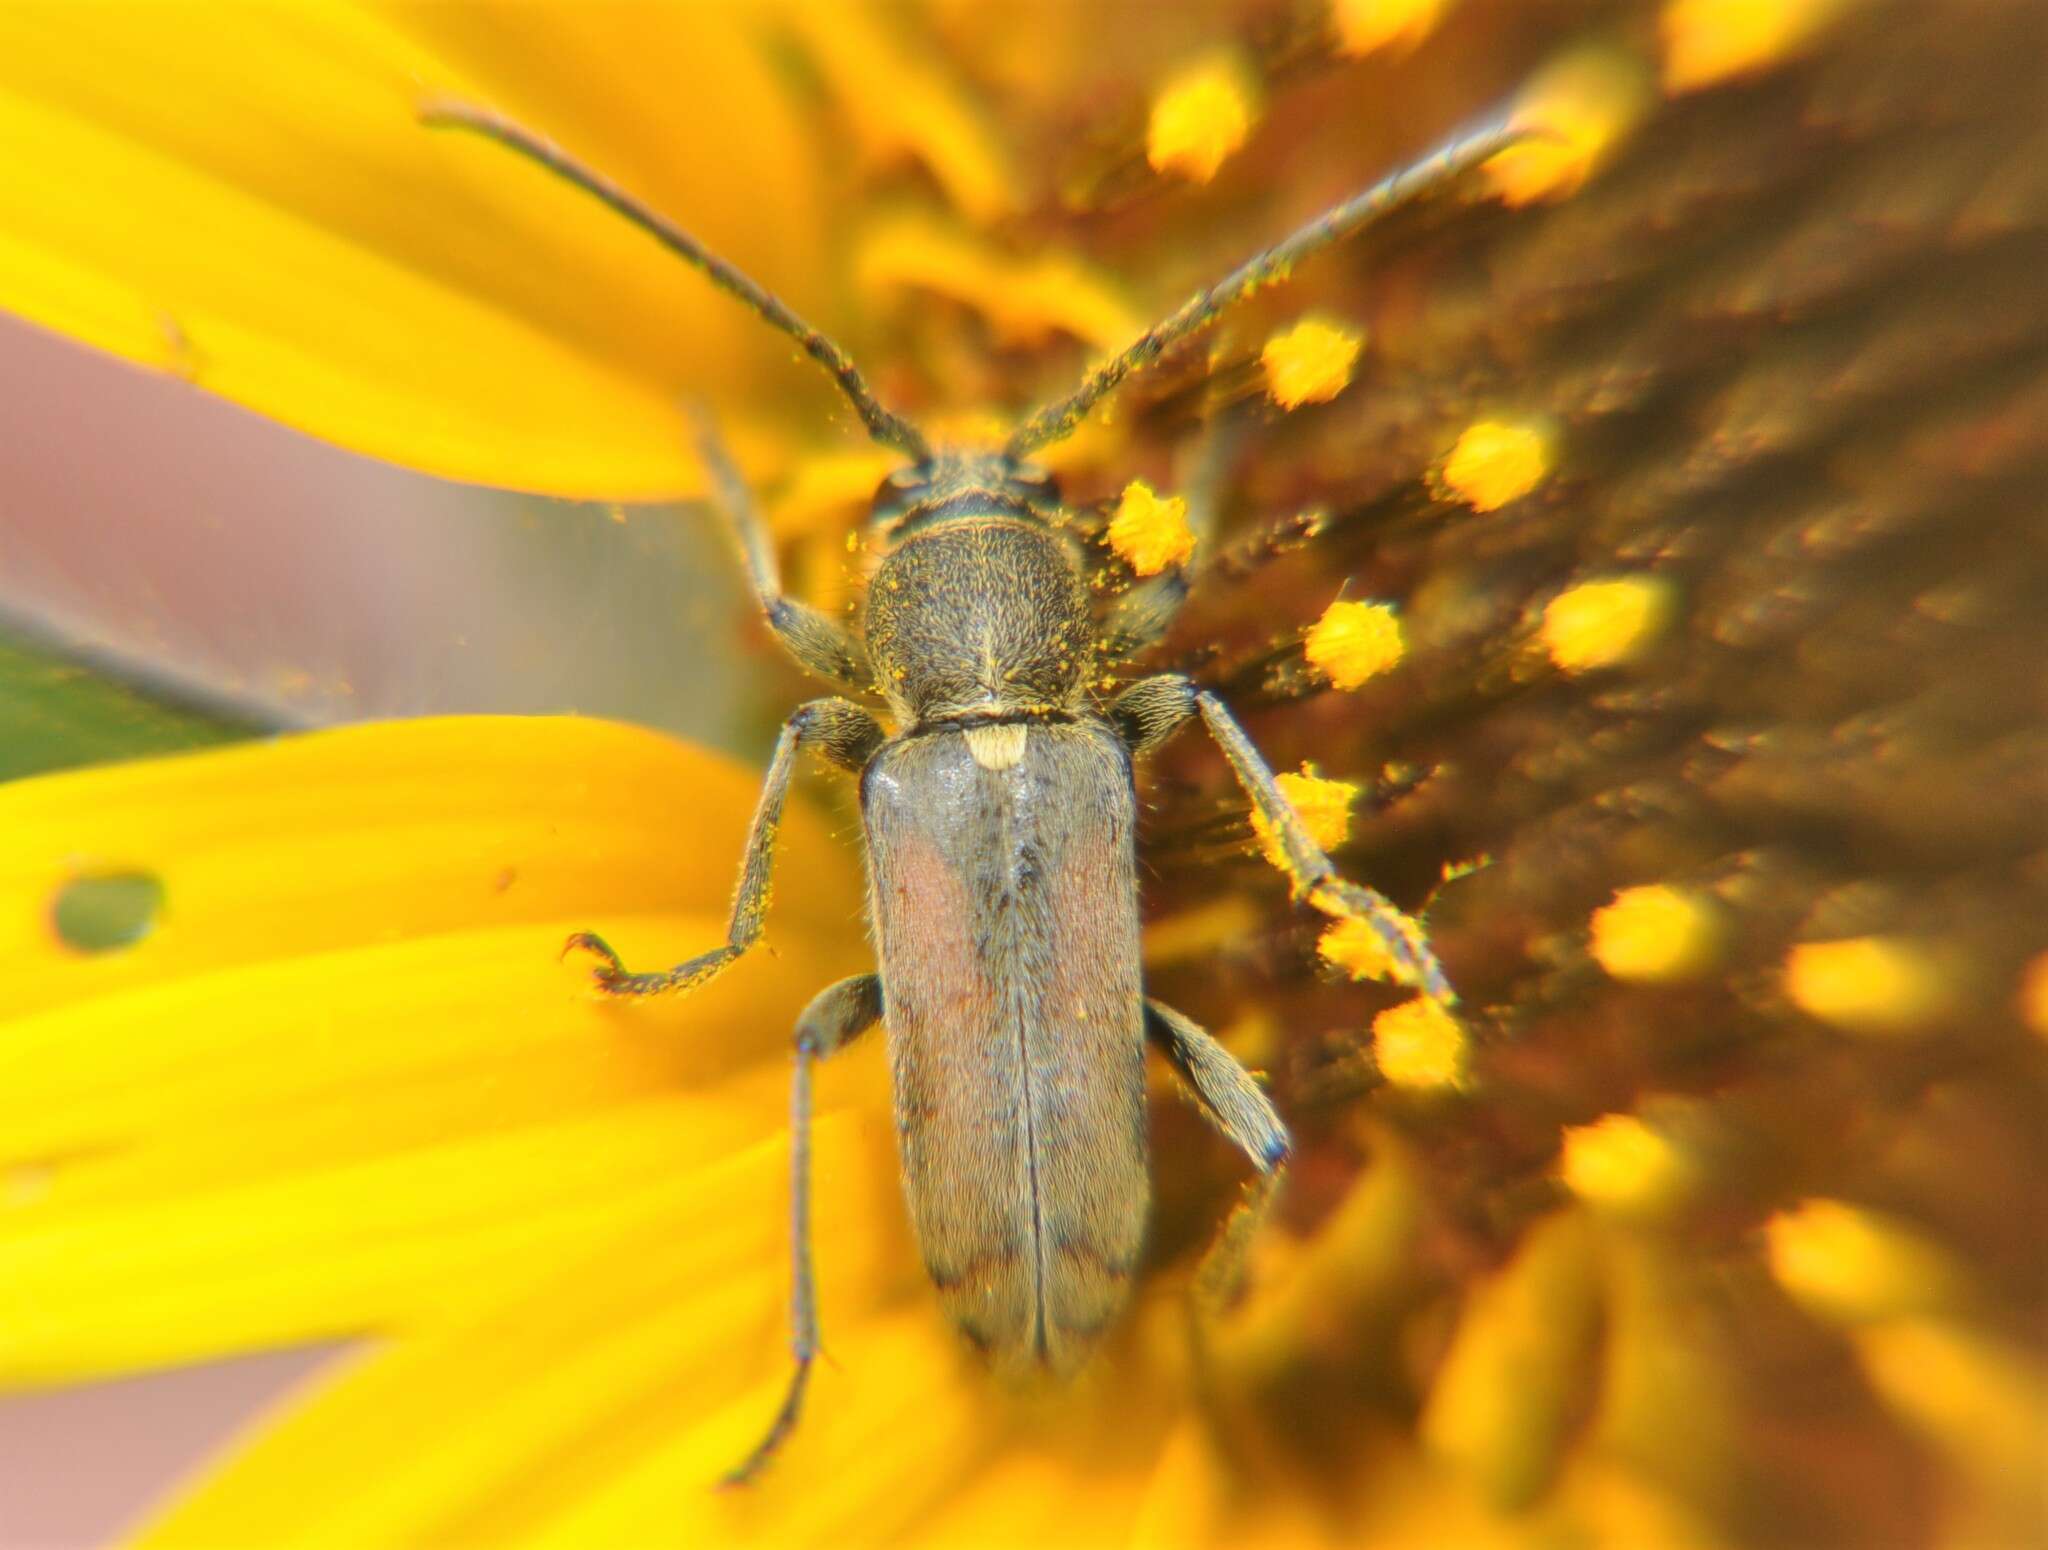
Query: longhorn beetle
[(999, 816)]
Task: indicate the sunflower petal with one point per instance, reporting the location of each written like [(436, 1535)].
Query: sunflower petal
[(212, 1080), (315, 254), (311, 1102), (891, 1429), (475, 1430), (381, 833), (378, 1243)]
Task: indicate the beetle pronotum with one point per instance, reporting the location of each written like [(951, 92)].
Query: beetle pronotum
[(998, 818)]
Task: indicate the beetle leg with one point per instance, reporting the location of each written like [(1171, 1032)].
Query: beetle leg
[(1235, 1105), (848, 735), (818, 643), (1142, 616), (1149, 712), (836, 1016)]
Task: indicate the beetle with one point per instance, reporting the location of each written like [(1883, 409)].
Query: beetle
[(999, 820)]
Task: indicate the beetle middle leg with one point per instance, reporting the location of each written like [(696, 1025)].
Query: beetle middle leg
[(1150, 711), (847, 735), (837, 1016), (1236, 1106)]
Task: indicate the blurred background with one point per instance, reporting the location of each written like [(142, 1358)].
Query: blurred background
[(225, 562), (1724, 677)]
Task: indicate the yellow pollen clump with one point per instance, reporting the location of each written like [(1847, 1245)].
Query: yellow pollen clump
[(1656, 934), (1202, 116), (1353, 642), (1150, 531), (1582, 105), (1323, 806), (1868, 984), (1605, 623), (1357, 948), (1497, 461), (1419, 1045), (1310, 363), (1708, 41), (1366, 25), (2034, 994), (1619, 1161), (1851, 1265)]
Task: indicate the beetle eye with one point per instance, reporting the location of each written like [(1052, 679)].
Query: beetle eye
[(1036, 481), (895, 489)]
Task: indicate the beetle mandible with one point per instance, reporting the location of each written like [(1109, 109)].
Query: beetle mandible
[(999, 822)]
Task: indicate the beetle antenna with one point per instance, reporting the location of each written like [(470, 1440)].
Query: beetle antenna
[(884, 425), (1057, 420)]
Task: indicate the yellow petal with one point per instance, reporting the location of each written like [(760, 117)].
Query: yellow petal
[(345, 1080), (383, 832), (888, 1431), (1667, 1410), (252, 205), (347, 1054), (898, 101), (1024, 300), (478, 1429), (1034, 1496), (1520, 1366), (376, 1244)]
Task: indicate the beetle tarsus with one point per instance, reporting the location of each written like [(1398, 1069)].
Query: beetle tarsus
[(777, 1433)]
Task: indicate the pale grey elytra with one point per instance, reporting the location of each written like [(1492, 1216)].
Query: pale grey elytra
[(999, 819)]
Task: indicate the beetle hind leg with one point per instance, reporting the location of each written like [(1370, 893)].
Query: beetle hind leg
[(1235, 1105), (836, 1016)]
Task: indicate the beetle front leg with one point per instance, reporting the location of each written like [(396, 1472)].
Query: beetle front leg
[(836, 1016), (1140, 618), (815, 642), (847, 735), (1150, 710), (1235, 1105)]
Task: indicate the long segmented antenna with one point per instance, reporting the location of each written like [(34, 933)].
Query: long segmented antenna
[(884, 425), (1057, 420)]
